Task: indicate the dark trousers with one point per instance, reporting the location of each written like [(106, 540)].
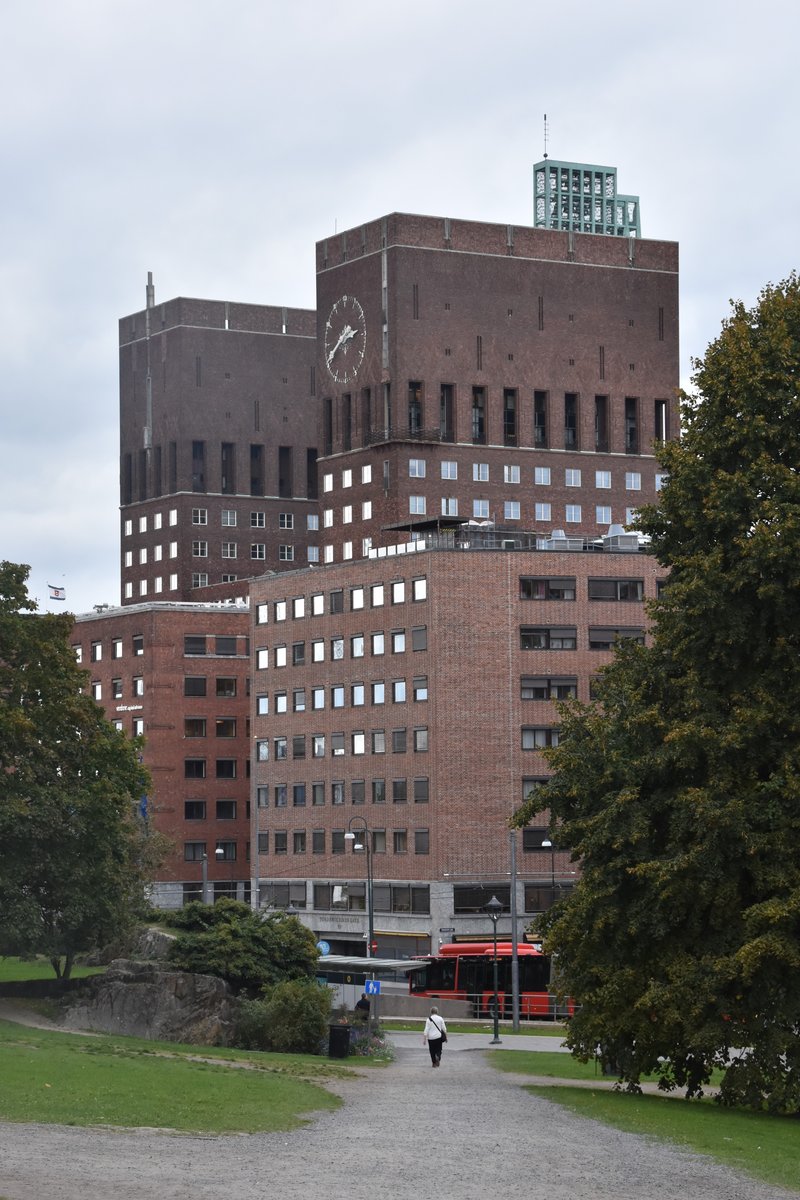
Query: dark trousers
[(435, 1049)]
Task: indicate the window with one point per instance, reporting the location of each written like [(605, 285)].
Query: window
[(258, 550), (400, 841), (226, 768), (420, 740), (660, 481), (399, 791), (602, 514), (347, 514), (225, 646), (633, 481), (286, 553), (138, 685), (616, 589), (398, 641), (199, 516), (281, 841), (280, 658), (337, 744), (286, 520), (480, 509), (194, 727), (572, 478), (399, 691), (226, 686), (257, 520), (317, 842), (337, 696), (357, 646), (97, 691), (573, 514), (194, 810), (542, 512), (602, 479), (379, 791), (298, 654), (194, 851), (317, 794), (262, 750), (358, 742), (378, 741), (281, 793), (419, 637), (570, 420), (604, 639), (199, 549), (416, 505), (299, 700), (327, 482), (480, 472), (421, 841), (194, 685), (378, 693), (281, 748), (347, 478), (337, 792), (538, 737), (357, 791), (229, 517), (421, 791), (420, 687), (376, 595), (299, 746), (534, 587), (226, 810), (449, 506), (298, 795), (357, 695), (557, 638), (398, 592), (541, 475), (511, 510), (318, 745), (299, 841), (416, 468), (419, 588), (398, 741), (194, 768), (318, 698), (337, 843), (449, 470), (479, 413), (537, 688)]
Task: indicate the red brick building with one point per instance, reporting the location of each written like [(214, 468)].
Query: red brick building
[(412, 693), (178, 676), (218, 417)]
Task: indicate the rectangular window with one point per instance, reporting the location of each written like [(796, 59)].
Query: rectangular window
[(194, 685), (511, 510), (605, 639), (510, 474), (509, 417), (416, 505), (540, 420), (225, 727), (541, 475), (400, 841), (258, 550), (631, 425), (420, 740), (378, 791), (398, 741), (537, 688), (534, 587), (480, 472), (538, 737), (226, 686), (449, 470), (542, 512), (602, 514), (317, 794), (479, 416), (633, 481), (573, 514), (570, 420), (421, 841), (194, 768), (194, 810), (616, 589), (416, 468), (199, 516), (572, 478), (399, 791), (480, 509), (199, 549), (318, 841), (378, 741), (545, 638), (601, 423)]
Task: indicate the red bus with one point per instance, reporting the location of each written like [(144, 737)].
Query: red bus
[(465, 971)]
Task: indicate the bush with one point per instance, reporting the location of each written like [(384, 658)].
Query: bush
[(290, 1018)]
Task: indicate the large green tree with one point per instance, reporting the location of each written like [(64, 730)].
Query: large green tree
[(74, 855), (679, 789)]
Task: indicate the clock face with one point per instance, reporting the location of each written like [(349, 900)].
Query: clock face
[(345, 339)]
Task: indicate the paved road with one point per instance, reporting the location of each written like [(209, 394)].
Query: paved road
[(463, 1132)]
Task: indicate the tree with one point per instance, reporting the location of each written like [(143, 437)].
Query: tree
[(74, 857), (249, 950), (679, 789)]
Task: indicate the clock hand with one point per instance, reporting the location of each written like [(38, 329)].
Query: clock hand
[(345, 336)]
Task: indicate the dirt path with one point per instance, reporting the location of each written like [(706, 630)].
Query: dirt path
[(463, 1131)]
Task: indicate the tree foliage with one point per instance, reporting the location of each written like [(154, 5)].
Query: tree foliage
[(290, 1018), (74, 858), (679, 789), (248, 949)]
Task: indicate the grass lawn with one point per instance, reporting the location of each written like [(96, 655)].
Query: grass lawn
[(765, 1147), (406, 1026), (13, 969), (768, 1148), (66, 1079)]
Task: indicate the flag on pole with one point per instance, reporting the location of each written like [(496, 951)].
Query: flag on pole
[(57, 593)]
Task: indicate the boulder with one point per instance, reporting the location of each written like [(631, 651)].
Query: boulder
[(142, 999)]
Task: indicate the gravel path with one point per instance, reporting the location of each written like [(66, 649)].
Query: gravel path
[(461, 1132)]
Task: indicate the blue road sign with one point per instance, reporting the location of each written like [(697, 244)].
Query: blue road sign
[(372, 987), (324, 947)]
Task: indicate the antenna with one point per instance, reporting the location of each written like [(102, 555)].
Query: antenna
[(545, 135)]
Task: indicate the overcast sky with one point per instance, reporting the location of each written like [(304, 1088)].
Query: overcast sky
[(213, 144)]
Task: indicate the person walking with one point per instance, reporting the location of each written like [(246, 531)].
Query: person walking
[(435, 1034)]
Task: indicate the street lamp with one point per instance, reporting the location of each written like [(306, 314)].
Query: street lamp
[(218, 853), (350, 836), (493, 910), (548, 845)]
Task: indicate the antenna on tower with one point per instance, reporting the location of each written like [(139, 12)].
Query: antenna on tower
[(545, 135)]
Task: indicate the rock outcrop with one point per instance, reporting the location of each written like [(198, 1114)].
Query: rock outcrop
[(142, 999)]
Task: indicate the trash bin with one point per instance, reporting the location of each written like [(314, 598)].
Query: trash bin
[(338, 1041)]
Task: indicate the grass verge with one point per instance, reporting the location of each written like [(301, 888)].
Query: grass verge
[(13, 970), (66, 1079), (761, 1146)]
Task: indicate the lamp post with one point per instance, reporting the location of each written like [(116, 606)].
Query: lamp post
[(493, 910), (548, 845), (350, 836), (204, 864), (514, 951)]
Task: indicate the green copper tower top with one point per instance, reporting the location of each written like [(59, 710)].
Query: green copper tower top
[(582, 196)]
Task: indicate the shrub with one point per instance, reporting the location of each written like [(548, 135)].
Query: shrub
[(290, 1018)]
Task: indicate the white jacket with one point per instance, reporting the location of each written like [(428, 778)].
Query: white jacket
[(434, 1028)]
